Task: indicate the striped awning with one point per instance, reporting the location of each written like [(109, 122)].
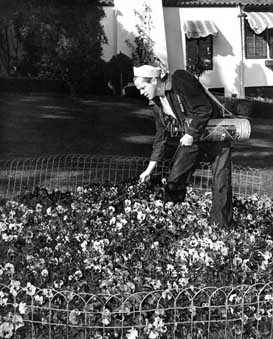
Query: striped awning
[(259, 21), (199, 28)]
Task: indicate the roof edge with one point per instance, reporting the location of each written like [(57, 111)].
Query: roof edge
[(206, 3)]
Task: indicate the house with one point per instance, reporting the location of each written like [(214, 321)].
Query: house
[(232, 40)]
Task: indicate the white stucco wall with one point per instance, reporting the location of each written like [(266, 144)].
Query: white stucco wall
[(227, 52), (124, 16), (226, 45), (257, 74), (227, 48), (175, 49)]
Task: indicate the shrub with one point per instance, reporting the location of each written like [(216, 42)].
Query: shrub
[(248, 107)]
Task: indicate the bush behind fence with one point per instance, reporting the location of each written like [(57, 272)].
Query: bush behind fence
[(67, 172)]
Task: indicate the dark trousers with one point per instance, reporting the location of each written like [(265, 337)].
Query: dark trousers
[(185, 161)]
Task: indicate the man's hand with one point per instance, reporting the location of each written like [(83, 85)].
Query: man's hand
[(186, 140), (144, 176)]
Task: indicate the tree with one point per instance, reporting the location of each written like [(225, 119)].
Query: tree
[(60, 39), (79, 48), (9, 44)]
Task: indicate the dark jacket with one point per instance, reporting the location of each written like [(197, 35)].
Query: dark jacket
[(188, 100)]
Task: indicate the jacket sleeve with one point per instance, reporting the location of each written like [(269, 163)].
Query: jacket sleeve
[(160, 138), (196, 101)]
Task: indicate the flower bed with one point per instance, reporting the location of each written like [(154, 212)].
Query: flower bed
[(122, 240)]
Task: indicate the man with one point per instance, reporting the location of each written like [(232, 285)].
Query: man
[(182, 108)]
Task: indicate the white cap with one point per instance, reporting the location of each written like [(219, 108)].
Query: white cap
[(147, 71)]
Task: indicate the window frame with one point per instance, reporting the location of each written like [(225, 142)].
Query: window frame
[(270, 43), (264, 36)]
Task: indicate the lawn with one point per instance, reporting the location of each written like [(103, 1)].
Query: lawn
[(39, 125)]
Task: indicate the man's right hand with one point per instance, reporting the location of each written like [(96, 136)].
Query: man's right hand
[(144, 176)]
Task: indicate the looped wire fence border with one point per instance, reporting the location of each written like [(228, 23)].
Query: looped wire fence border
[(67, 172), (243, 311)]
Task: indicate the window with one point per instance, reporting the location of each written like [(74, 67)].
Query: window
[(260, 91), (217, 91), (256, 44), (199, 53)]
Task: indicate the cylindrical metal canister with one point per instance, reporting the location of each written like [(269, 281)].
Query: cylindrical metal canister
[(225, 129)]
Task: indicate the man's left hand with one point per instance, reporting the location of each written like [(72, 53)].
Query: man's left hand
[(186, 140)]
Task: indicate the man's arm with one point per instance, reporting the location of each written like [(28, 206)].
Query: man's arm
[(159, 143), (160, 138)]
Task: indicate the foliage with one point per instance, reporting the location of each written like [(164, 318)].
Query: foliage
[(198, 68), (250, 107), (54, 48), (122, 240), (143, 46), (118, 72)]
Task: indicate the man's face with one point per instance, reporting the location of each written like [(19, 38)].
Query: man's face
[(146, 87)]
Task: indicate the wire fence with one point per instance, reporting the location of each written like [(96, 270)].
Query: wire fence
[(67, 172), (226, 312)]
